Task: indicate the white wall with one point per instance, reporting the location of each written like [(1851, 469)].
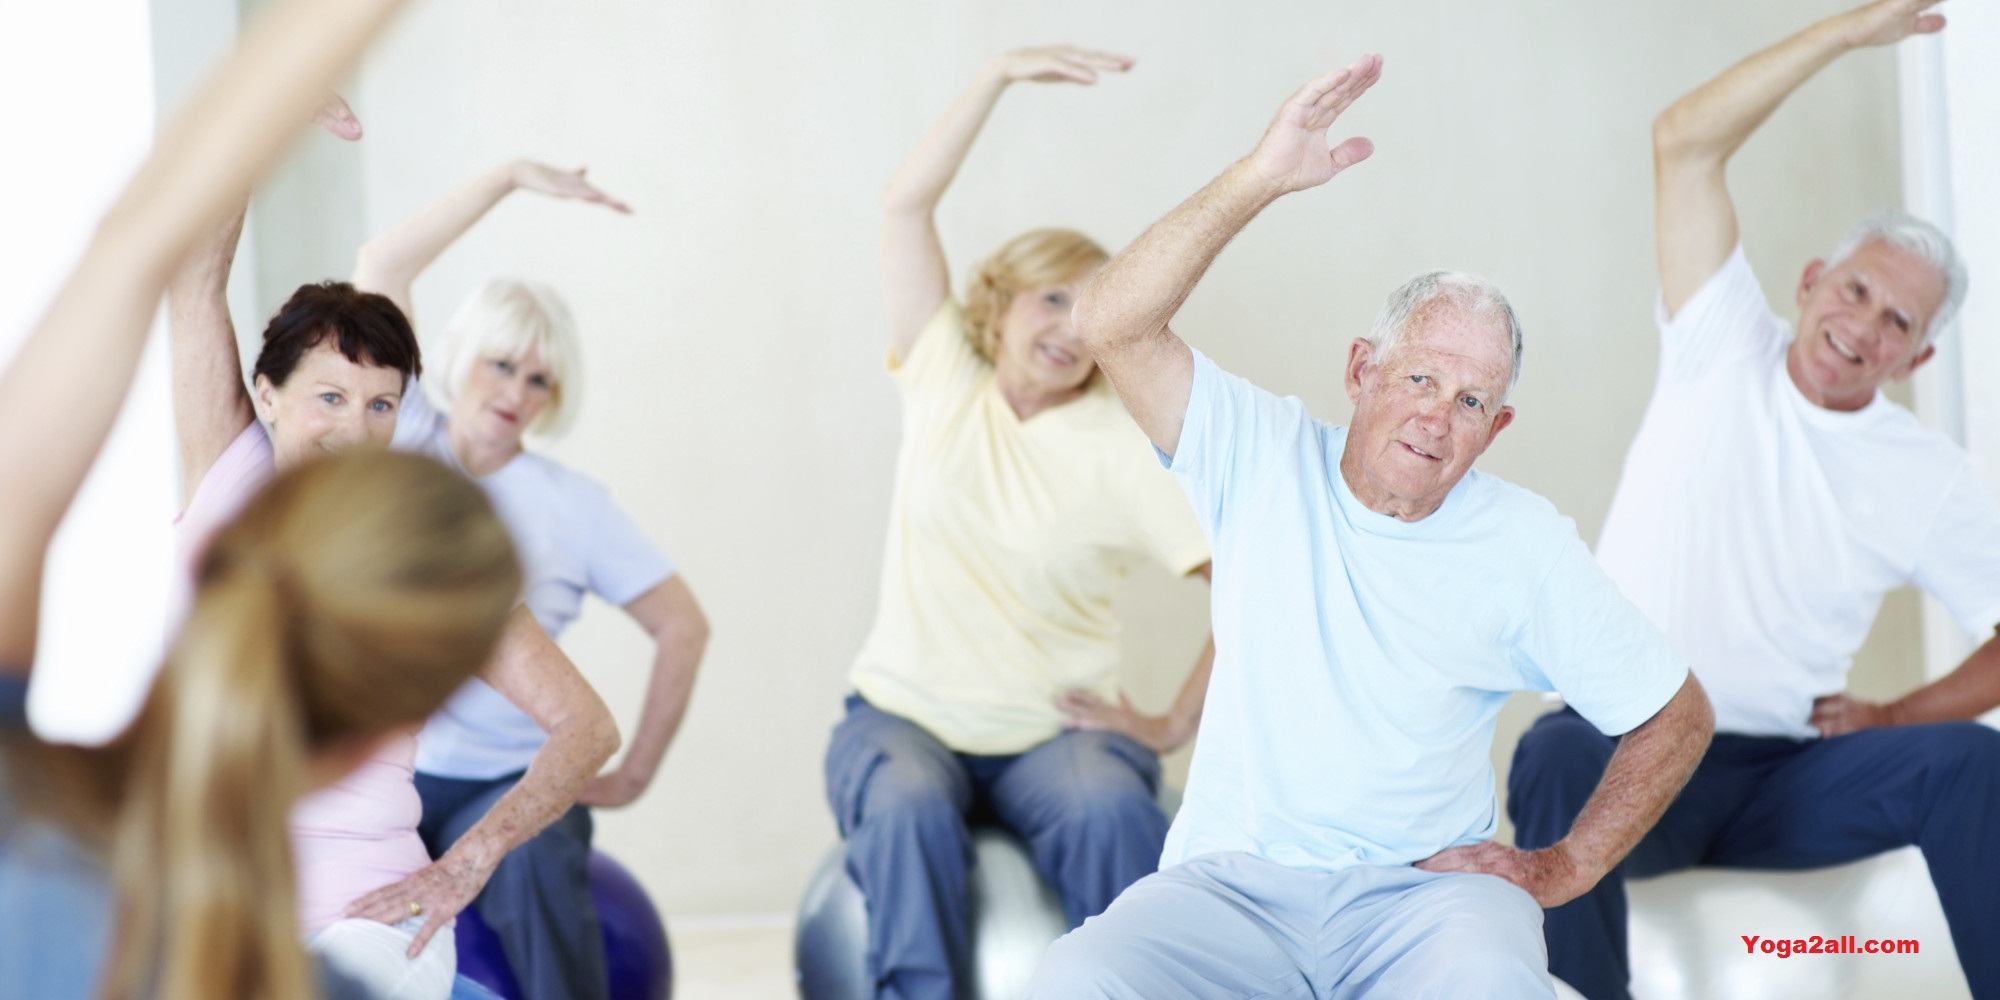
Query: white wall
[(79, 80), (736, 403)]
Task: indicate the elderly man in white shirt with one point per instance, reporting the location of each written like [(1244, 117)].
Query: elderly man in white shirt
[(1772, 496)]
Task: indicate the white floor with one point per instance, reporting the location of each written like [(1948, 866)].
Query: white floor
[(746, 958)]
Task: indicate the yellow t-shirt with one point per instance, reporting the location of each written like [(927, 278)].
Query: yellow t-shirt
[(1006, 539)]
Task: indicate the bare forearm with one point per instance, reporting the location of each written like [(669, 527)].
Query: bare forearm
[(391, 262), (82, 356), (1647, 770), (674, 667), (1184, 717), (1714, 120), (564, 765), (211, 405), (1140, 290), (1972, 690), (920, 182)]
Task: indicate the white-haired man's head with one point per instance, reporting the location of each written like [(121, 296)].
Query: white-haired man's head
[(1429, 385), (1477, 298), (1871, 311)]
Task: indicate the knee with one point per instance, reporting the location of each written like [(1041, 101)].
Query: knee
[(1489, 945), (1108, 795), (899, 802), (1969, 749)]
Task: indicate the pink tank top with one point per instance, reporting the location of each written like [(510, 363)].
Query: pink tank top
[(361, 834)]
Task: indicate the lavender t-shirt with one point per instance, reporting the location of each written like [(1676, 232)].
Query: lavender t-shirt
[(361, 834)]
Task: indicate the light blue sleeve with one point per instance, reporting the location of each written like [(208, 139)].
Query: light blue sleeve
[(622, 563), (1584, 640), (1234, 436)]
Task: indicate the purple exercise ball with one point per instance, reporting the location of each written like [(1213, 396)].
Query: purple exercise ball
[(635, 942)]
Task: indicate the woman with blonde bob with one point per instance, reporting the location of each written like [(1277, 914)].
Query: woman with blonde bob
[(510, 367), (343, 603), (1023, 494)]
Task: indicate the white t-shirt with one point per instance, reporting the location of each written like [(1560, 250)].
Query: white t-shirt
[(1760, 531), (573, 539), (1361, 660)]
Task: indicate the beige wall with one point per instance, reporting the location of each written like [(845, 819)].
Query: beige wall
[(735, 400)]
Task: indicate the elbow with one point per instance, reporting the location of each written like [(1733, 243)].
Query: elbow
[(1669, 135), (1089, 321), (369, 259), (597, 734), (900, 199), (1677, 140)]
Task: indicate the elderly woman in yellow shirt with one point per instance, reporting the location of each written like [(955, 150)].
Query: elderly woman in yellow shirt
[(1023, 494)]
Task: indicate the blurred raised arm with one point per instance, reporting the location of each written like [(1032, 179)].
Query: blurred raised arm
[(915, 279), (64, 389)]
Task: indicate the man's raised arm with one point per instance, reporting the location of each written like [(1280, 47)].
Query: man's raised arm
[(1695, 137), (1123, 316)]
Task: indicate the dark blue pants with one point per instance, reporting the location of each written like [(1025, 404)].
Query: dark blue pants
[(538, 900), (1761, 802), (1084, 802)]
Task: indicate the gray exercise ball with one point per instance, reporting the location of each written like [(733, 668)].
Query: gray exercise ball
[(1015, 917)]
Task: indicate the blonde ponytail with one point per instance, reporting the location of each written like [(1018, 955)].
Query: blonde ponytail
[(201, 853), (350, 598), (1039, 258)]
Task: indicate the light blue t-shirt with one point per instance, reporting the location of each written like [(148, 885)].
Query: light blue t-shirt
[(573, 539), (1360, 660)]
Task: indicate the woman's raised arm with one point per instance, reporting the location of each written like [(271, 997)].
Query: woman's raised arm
[(915, 280)]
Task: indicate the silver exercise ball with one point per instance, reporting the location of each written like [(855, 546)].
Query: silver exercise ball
[(1015, 917)]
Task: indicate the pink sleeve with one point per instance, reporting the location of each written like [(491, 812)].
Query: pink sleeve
[(244, 467)]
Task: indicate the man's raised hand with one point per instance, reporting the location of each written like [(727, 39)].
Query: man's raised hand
[(1293, 154)]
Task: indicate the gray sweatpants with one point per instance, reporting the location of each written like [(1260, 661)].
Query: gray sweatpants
[(1238, 926)]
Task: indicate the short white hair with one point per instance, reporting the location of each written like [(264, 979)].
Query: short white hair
[(1475, 297), (1928, 243), (506, 318)]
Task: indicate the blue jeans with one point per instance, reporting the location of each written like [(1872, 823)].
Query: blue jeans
[(1084, 802), (1766, 802)]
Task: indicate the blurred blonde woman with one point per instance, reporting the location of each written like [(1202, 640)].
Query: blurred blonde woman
[(1023, 494), (344, 602), (508, 367)]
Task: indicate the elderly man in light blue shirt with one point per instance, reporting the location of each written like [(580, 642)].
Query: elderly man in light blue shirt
[(1375, 603)]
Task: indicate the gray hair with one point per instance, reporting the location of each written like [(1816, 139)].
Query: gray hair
[(1476, 297), (506, 317), (1928, 243)]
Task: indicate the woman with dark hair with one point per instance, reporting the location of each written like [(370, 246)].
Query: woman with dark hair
[(330, 378), (339, 608)]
